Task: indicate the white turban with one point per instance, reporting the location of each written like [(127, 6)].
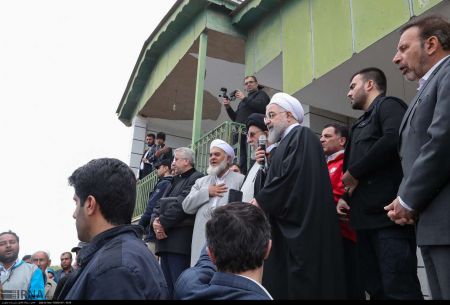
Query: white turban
[(289, 103), (223, 146)]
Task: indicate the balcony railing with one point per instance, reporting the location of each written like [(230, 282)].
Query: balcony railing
[(143, 189), (227, 131)]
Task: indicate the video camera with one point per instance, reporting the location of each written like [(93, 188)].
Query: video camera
[(232, 96)]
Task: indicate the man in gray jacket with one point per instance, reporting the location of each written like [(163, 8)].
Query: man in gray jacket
[(424, 193)]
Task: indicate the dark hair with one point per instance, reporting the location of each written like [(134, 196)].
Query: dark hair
[(433, 25), (238, 234), (236, 164), (11, 233), (112, 183), (25, 257), (70, 254), (374, 74), (151, 135), (252, 76), (340, 130), (161, 135)]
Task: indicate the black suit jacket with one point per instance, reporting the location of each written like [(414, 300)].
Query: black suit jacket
[(424, 150)]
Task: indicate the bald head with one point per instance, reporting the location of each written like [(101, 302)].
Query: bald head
[(41, 259)]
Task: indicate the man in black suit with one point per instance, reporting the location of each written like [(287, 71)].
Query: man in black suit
[(171, 225), (372, 174), (146, 166), (424, 193), (230, 268)]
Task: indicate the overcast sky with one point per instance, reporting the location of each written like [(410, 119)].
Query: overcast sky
[(64, 65)]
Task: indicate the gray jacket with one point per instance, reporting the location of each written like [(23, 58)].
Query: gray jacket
[(424, 147)]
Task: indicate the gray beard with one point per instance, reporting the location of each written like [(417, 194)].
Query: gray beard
[(252, 152), (276, 131), (216, 170)]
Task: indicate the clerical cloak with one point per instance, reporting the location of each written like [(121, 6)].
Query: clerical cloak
[(306, 260)]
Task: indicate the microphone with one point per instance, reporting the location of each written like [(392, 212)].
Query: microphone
[(262, 143)]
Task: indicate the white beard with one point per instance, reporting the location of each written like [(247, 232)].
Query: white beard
[(276, 131), (216, 170), (252, 152)]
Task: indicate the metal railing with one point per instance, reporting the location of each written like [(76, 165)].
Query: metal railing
[(228, 131), (143, 189)]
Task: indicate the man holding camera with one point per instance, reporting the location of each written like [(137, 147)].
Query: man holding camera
[(255, 102)]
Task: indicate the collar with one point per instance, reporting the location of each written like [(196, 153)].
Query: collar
[(88, 251), (374, 102), (285, 133), (427, 75), (187, 173), (257, 283), (272, 146), (16, 264), (335, 156)]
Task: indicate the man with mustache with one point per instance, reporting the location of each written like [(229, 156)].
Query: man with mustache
[(424, 193), (306, 260), (19, 280), (211, 191)]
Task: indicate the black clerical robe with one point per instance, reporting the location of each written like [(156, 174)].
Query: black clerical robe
[(306, 260)]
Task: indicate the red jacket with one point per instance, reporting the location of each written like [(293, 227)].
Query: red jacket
[(335, 165)]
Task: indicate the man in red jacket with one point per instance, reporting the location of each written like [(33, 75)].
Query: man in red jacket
[(333, 139)]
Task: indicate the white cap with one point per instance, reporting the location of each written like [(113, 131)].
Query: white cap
[(223, 146), (289, 103)]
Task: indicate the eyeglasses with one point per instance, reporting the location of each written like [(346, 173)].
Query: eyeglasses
[(271, 115), (249, 82)]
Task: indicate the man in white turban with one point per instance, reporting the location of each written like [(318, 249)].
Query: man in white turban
[(306, 260), (211, 191)]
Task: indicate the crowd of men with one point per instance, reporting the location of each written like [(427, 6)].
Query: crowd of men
[(332, 218)]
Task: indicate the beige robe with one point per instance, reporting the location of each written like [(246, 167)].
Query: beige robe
[(198, 202)]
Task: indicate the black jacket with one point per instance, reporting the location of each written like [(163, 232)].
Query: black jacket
[(116, 265), (255, 102), (176, 223), (371, 157), (159, 190)]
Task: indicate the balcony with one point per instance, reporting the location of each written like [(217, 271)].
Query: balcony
[(227, 131)]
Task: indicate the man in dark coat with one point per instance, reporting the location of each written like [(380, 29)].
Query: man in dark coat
[(163, 169), (229, 268), (255, 102), (372, 174), (173, 227), (306, 260), (116, 264)]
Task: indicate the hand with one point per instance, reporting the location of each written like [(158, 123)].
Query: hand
[(349, 182), (260, 155), (157, 153), (226, 102), (217, 190), (254, 202), (398, 214), (240, 95), (342, 209), (159, 229)]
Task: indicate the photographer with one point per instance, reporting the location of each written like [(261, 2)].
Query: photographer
[(255, 102)]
